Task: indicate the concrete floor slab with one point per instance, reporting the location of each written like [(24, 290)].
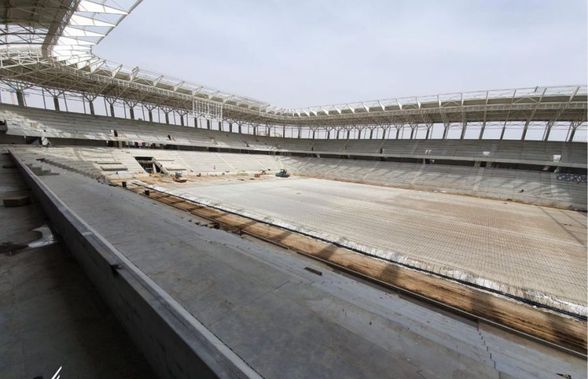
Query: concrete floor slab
[(50, 314), (282, 319)]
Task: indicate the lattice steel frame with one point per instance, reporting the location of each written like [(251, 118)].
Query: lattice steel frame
[(50, 46)]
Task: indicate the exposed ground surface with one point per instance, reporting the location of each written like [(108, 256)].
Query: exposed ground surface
[(50, 314), (520, 249), (287, 321)]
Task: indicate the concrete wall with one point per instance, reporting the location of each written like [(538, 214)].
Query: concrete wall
[(175, 343)]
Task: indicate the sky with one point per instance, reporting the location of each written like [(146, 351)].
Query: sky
[(312, 52)]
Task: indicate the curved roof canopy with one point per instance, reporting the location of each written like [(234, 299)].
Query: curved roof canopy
[(49, 43)]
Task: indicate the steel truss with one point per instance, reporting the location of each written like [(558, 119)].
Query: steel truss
[(49, 45)]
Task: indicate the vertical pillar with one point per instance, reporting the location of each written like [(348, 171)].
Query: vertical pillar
[(372, 133), (208, 124), (254, 130), (446, 129), (43, 96), (111, 105), (502, 132), (412, 129), (348, 133), (384, 130), (525, 128), (131, 112), (150, 114), (299, 132), (55, 102), (239, 130), (573, 127), (195, 122), (481, 136), (220, 125), (20, 98), (313, 133), (166, 117), (548, 131), (181, 119), (337, 135), (65, 102), (428, 132), (284, 131), (91, 105), (397, 132), (464, 127)]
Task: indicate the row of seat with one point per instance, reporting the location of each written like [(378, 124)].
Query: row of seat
[(535, 187), (52, 124)]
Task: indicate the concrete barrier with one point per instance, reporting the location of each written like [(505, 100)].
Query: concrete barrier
[(175, 343)]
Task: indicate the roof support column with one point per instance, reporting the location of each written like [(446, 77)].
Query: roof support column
[(502, 132), (525, 128), (372, 133), (19, 88), (45, 101), (239, 130), (348, 133), (464, 128), (573, 126), (55, 102), (110, 101), (20, 98), (55, 95), (299, 131), (208, 124), (446, 126), (412, 131), (149, 111), (397, 132), (429, 126), (481, 136), (313, 133), (547, 132), (131, 105)]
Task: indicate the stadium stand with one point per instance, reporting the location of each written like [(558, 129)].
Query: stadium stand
[(74, 128), (528, 186), (215, 270)]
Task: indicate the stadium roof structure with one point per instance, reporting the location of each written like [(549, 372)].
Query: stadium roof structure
[(48, 44)]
